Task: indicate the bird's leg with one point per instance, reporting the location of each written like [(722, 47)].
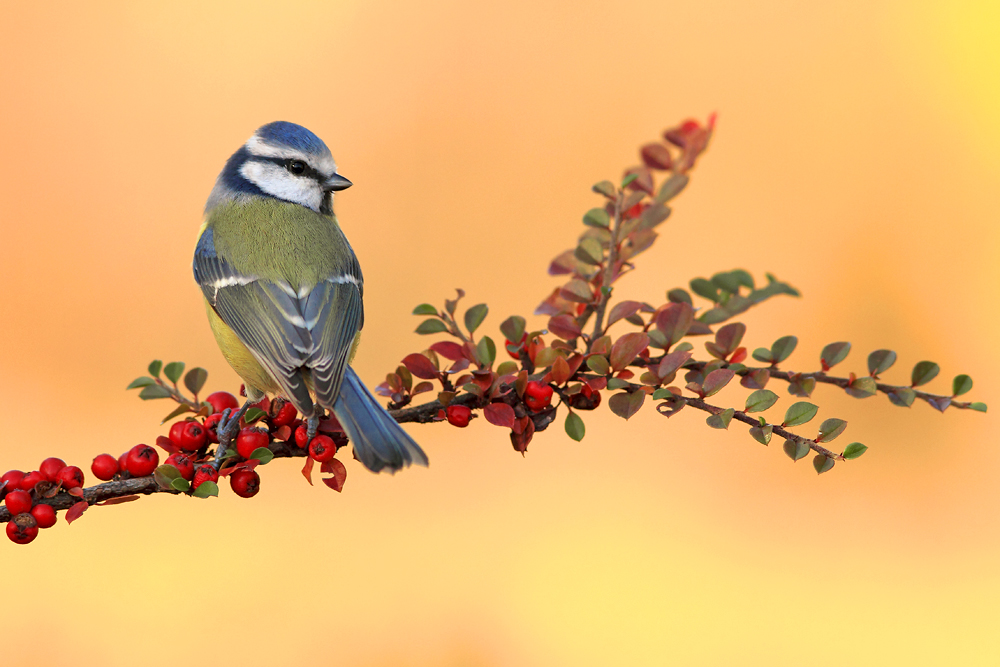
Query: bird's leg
[(228, 428), (312, 424)]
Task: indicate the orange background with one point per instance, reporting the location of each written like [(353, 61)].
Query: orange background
[(855, 157)]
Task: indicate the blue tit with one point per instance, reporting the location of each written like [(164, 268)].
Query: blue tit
[(283, 289)]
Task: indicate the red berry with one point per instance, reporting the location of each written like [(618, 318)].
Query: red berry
[(50, 468), (18, 502), (322, 448), (206, 472), (22, 529), (458, 415), (537, 396), (513, 355), (286, 415), (45, 515), (175, 432), (221, 400), (104, 467), (184, 465), (211, 427), (29, 481), (245, 483), (123, 462), (10, 481), (193, 437), (71, 477), (250, 439), (301, 435), (141, 461)]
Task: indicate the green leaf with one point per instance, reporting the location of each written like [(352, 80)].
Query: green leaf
[(507, 368), (705, 289), (727, 281), (833, 354), (799, 413), (486, 350), (176, 412), (830, 429), (252, 415), (977, 406), (141, 382), (628, 180), (716, 380), (782, 348), (180, 484), (206, 489), (617, 383), (762, 354), (475, 315), (154, 391), (262, 454), (174, 370), (431, 327), (761, 400), (626, 404), (854, 450), (599, 364), (606, 188), (822, 463), (903, 397), (425, 309), (195, 379), (662, 393), (577, 291), (589, 251), (575, 427), (795, 450), (862, 387), (165, 474), (722, 419), (761, 434), (597, 217), (962, 384), (671, 187), (880, 361), (923, 373), (155, 367), (679, 295), (513, 328)]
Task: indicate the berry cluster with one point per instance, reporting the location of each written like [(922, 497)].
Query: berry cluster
[(25, 494)]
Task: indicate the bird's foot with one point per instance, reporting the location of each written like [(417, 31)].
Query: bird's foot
[(228, 429)]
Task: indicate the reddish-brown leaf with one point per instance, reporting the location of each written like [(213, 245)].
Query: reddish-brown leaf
[(626, 404), (564, 326), (643, 183), (563, 264), (656, 156), (75, 491), (622, 310), (627, 348), (339, 474), (307, 470), (499, 414), (422, 387), (283, 433), (118, 501), (672, 362), (554, 304), (449, 350), (560, 371), (76, 511), (165, 443), (577, 290), (420, 366), (675, 320)]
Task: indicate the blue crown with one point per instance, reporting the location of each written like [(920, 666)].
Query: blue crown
[(294, 136)]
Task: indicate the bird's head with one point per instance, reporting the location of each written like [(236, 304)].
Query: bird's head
[(283, 161)]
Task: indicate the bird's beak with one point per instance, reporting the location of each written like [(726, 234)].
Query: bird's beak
[(336, 183)]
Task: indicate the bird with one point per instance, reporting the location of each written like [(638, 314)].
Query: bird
[(283, 290)]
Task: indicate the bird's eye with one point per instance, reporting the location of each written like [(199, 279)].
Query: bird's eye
[(297, 167)]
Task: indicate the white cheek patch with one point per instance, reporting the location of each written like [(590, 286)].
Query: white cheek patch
[(277, 182)]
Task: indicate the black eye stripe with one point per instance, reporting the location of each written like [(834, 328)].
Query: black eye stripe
[(286, 162)]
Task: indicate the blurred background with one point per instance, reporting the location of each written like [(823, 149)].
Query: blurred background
[(856, 157)]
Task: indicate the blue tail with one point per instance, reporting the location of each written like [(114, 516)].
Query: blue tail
[(379, 441)]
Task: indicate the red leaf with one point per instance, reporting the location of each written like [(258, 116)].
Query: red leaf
[(554, 305), (458, 366), (560, 371), (76, 511), (499, 414), (597, 384), (449, 350), (738, 355), (420, 366), (627, 348), (307, 470), (563, 264), (339, 474), (675, 320), (118, 501), (623, 310), (75, 491), (283, 433), (330, 425), (656, 156), (564, 326), (167, 444)]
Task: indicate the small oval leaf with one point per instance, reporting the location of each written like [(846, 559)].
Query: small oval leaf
[(799, 413)]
